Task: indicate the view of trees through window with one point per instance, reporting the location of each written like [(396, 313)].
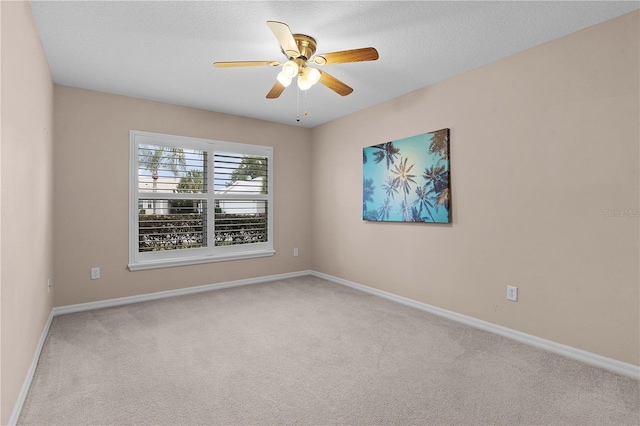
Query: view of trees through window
[(174, 198)]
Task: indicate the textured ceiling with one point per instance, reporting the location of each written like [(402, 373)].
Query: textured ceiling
[(164, 50)]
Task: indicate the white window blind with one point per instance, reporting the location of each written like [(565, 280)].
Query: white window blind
[(197, 201), (242, 206), (169, 220)]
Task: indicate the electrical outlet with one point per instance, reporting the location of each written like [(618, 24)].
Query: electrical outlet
[(295, 252), (95, 273), (512, 293), (48, 285)]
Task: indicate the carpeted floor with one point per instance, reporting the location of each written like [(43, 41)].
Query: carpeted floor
[(306, 351)]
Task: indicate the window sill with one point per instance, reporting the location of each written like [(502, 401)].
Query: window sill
[(170, 263)]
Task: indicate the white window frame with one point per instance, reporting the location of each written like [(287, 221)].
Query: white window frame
[(210, 253)]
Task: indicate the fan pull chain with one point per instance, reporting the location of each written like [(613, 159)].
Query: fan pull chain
[(297, 103), (305, 103)]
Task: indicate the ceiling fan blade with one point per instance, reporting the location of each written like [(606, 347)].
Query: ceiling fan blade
[(334, 84), (285, 38), (275, 91), (343, 56), (245, 64)]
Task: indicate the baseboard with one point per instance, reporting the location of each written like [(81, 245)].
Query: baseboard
[(610, 364), (171, 293), (22, 396)]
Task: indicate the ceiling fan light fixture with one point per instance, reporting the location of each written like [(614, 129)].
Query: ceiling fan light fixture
[(313, 75), (290, 69), (303, 83), (308, 77), (283, 79)]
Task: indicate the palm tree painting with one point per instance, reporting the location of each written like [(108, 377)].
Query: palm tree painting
[(408, 179), (367, 193)]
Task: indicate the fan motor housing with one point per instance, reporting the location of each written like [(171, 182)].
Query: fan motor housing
[(306, 46)]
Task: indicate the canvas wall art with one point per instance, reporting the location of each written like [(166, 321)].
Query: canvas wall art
[(407, 180)]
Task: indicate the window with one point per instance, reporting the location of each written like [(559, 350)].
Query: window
[(198, 201)]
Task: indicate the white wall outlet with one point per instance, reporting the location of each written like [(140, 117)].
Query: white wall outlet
[(512, 293), (95, 273), (295, 252), (48, 285)]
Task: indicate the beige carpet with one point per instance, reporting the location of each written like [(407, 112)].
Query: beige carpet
[(306, 351)]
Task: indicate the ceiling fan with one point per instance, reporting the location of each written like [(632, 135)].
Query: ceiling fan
[(299, 50)]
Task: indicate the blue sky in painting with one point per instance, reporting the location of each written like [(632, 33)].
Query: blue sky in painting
[(415, 150)]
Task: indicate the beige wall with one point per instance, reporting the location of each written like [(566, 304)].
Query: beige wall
[(542, 143), (92, 194), (26, 192)]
